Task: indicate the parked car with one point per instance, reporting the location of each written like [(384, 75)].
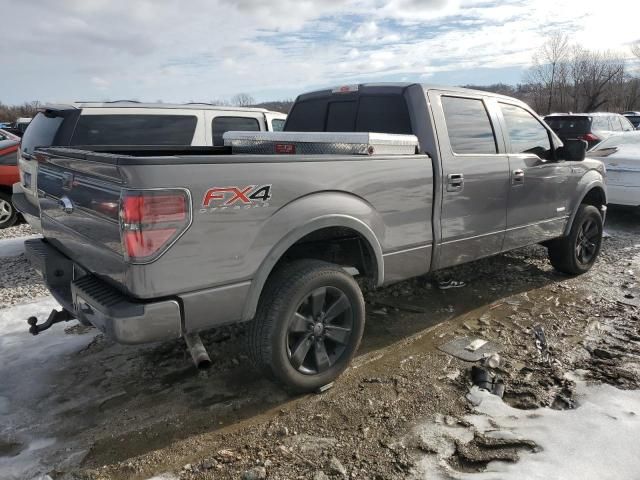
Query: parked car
[(149, 248), (634, 118), (592, 127), (621, 157), (8, 176), (13, 131), (6, 134), (22, 123), (129, 123)]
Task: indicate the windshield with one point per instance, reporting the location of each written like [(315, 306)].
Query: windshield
[(569, 124)]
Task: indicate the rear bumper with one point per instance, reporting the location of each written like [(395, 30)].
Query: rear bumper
[(30, 212), (91, 300)]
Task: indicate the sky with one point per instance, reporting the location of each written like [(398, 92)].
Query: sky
[(204, 50)]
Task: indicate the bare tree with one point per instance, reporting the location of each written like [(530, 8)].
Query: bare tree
[(635, 49), (548, 65), (242, 100)]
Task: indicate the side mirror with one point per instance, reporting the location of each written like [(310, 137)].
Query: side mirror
[(574, 150)]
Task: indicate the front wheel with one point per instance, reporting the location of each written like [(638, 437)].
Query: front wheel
[(577, 252), (308, 326), (8, 214)]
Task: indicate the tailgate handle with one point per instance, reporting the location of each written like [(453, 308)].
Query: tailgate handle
[(455, 182)]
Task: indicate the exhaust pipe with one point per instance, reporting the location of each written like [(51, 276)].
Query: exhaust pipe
[(197, 350)]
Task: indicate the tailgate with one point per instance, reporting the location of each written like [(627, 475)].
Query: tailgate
[(79, 200)]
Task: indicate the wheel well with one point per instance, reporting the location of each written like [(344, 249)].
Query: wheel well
[(339, 245), (595, 197), (6, 189)]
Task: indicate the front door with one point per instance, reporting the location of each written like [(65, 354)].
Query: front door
[(540, 186), (475, 178)]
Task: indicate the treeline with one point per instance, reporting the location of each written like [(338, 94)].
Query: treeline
[(10, 113), (565, 77)]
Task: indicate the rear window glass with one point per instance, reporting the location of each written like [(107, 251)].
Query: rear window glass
[(383, 114), (634, 119), (41, 132), (368, 113), (470, 130), (220, 125), (134, 130), (341, 117), (307, 116), (569, 124)]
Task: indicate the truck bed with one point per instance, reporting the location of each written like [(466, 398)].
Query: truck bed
[(389, 197)]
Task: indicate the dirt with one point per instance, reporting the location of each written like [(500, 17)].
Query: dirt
[(133, 412)]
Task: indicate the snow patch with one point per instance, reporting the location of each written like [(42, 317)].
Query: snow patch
[(37, 359), (598, 440), (12, 247)]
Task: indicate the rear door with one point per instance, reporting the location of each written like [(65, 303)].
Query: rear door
[(539, 187), (475, 175)]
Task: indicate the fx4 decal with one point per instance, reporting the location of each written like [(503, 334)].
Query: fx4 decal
[(223, 198)]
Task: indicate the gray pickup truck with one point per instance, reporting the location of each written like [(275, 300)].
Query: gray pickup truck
[(152, 245)]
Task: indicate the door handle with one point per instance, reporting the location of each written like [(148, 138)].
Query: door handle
[(455, 182), (518, 177)]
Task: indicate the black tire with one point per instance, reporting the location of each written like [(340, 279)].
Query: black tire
[(576, 253), (8, 213), (285, 324)]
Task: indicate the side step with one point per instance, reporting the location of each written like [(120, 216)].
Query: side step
[(54, 317)]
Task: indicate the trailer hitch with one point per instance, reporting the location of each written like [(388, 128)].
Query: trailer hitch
[(54, 317)]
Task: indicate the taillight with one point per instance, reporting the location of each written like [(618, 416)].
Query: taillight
[(589, 137), (151, 220)]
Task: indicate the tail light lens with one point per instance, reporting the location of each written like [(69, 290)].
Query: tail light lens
[(590, 137), (151, 220)]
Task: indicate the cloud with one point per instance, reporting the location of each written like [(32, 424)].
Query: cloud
[(202, 49)]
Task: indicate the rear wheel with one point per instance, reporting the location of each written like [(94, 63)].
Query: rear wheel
[(8, 214), (308, 326), (577, 252)]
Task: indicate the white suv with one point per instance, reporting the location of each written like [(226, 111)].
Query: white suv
[(128, 123)]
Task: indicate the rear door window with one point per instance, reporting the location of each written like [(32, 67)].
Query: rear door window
[(134, 130), (41, 132), (470, 130), (601, 122), (526, 133), (277, 124), (220, 125)]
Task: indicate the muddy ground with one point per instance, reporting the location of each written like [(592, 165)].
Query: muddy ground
[(134, 412)]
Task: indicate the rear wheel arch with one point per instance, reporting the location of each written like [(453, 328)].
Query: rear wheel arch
[(321, 229)]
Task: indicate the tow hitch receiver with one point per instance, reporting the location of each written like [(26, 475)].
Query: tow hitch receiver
[(54, 317)]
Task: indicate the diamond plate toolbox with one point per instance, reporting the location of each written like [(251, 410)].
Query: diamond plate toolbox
[(321, 143)]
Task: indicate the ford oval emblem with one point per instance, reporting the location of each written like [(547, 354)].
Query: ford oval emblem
[(66, 205)]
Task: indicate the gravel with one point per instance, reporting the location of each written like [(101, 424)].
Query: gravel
[(19, 283), (20, 230)]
